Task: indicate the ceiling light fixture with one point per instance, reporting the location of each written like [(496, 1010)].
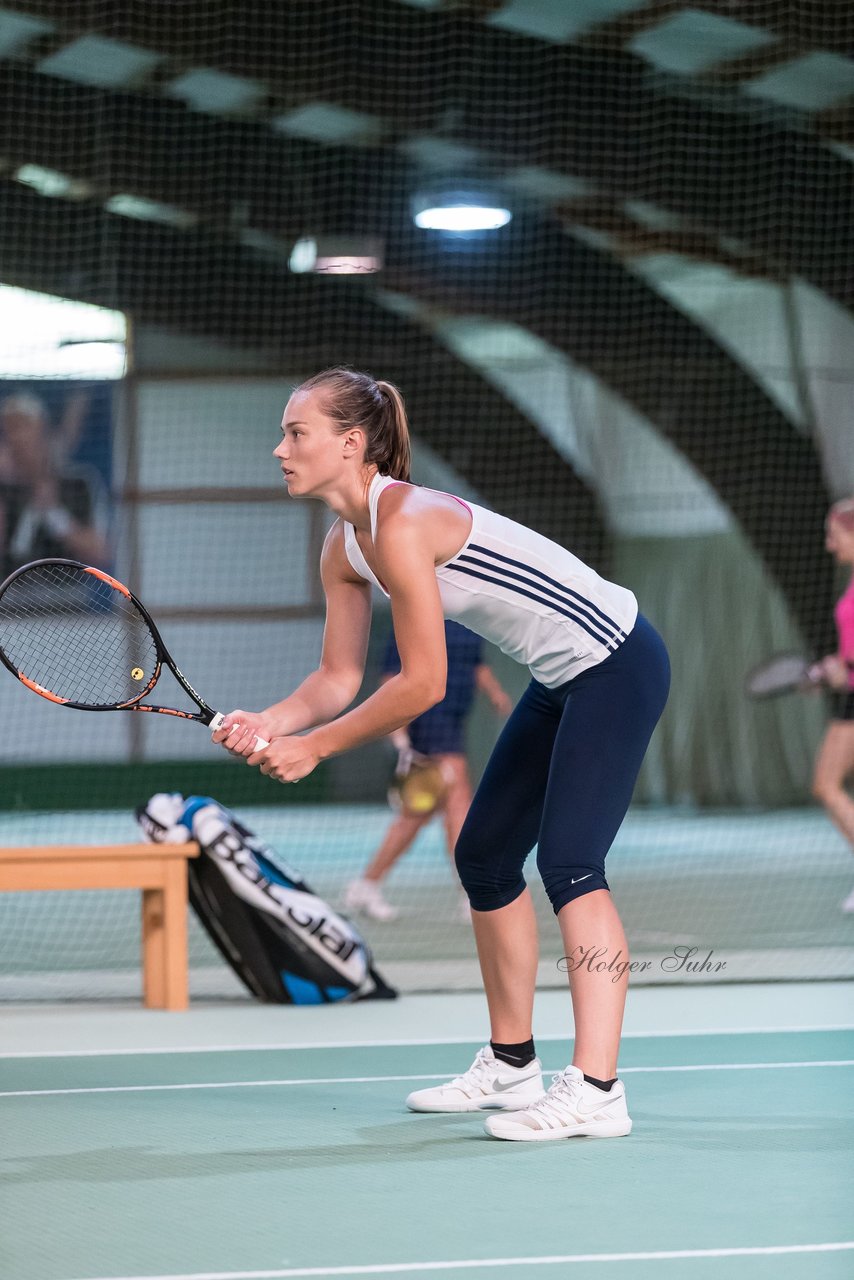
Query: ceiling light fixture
[(460, 210), (337, 255)]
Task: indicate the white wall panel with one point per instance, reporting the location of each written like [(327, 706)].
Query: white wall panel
[(37, 730), (228, 554), (218, 432), (236, 664)]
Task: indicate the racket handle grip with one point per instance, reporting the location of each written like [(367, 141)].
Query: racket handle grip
[(216, 723)]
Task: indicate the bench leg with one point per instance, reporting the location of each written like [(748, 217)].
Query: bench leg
[(164, 942), (153, 948), (176, 980)]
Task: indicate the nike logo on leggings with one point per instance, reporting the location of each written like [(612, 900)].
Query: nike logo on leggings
[(580, 878)]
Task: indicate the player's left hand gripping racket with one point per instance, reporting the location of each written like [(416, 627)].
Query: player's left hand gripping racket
[(75, 635)]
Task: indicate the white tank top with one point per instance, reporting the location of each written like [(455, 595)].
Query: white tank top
[(526, 594)]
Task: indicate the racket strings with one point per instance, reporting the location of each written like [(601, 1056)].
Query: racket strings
[(76, 636)]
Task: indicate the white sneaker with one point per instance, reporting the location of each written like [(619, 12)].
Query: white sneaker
[(366, 897), (571, 1108), (848, 904), (488, 1083)]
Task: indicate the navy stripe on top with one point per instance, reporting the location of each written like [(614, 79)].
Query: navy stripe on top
[(578, 612), (487, 551), (550, 604)]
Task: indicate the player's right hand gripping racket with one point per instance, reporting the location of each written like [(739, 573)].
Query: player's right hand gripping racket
[(75, 635), (784, 673)]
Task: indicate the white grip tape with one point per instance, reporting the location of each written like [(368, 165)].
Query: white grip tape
[(216, 723)]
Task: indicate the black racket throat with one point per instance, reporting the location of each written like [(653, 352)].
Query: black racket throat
[(77, 636)]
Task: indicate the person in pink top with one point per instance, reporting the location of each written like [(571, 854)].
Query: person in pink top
[(835, 762)]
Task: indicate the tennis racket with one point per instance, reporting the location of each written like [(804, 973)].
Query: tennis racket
[(419, 787), (73, 634), (784, 673)]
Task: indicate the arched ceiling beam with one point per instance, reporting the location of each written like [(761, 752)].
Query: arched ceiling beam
[(673, 372)]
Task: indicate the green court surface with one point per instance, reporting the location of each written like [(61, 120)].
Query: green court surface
[(152, 1145)]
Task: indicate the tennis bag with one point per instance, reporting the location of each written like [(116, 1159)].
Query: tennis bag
[(284, 942)]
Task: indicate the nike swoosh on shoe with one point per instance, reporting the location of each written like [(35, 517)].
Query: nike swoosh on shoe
[(498, 1087), (587, 1112)]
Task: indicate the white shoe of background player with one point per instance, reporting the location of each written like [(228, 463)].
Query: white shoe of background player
[(366, 898)]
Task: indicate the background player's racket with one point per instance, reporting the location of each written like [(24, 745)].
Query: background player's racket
[(419, 787), (784, 673), (75, 635)]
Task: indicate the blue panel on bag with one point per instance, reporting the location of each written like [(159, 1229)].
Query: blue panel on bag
[(301, 991)]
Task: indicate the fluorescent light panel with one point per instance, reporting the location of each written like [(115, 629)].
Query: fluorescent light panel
[(812, 82), (128, 206), (462, 217), (558, 20), (694, 40), (52, 183), (337, 255), (216, 92), (17, 30), (101, 61), (324, 122)]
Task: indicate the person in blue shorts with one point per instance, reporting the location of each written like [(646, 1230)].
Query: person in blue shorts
[(563, 770), (439, 733)]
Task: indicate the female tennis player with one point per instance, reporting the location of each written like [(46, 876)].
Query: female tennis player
[(562, 772), (835, 760)]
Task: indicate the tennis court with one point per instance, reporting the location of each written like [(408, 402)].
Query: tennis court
[(263, 1142), (239, 1140)]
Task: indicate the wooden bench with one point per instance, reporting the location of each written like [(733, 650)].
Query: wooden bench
[(159, 870)]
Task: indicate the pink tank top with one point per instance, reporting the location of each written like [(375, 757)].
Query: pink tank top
[(844, 615)]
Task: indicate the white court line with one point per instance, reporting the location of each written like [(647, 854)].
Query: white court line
[(395, 1044), (395, 1268), (443, 1075)]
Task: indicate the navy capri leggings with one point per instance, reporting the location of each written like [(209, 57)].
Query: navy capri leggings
[(562, 775)]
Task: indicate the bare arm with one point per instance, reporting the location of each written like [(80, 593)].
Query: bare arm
[(72, 422), (404, 551), (399, 738), (487, 682)]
